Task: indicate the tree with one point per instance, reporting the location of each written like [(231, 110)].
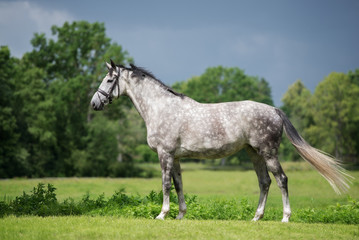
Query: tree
[(296, 104), (354, 134), (54, 84), (220, 84), (11, 154), (34, 111), (335, 113)]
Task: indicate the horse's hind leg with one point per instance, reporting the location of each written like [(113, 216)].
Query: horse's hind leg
[(263, 180), (177, 179), (274, 166)]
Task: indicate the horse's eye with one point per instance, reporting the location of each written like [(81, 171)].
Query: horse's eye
[(110, 80)]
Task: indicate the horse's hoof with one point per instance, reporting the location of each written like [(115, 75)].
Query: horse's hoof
[(285, 220), (257, 217), (161, 216), (286, 216), (181, 214)]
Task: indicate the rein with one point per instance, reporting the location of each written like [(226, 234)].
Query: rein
[(108, 95)]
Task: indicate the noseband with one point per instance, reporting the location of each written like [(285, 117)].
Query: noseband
[(108, 95)]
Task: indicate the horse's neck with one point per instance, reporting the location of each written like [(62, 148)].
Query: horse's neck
[(149, 99)]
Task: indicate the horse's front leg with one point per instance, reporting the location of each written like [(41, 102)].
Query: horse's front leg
[(177, 179), (166, 161)]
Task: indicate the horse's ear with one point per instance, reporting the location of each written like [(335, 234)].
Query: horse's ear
[(113, 64), (109, 67)]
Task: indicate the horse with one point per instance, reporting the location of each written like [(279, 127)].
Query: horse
[(180, 127)]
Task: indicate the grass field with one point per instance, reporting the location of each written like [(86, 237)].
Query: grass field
[(306, 187), (118, 228), (307, 190)]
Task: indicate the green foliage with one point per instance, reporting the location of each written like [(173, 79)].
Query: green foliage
[(336, 115), (328, 119), (47, 125), (296, 104), (346, 214), (43, 202), (145, 154), (132, 134), (101, 148), (220, 84), (11, 155), (354, 134)]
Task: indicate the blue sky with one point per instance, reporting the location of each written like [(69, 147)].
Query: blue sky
[(281, 41)]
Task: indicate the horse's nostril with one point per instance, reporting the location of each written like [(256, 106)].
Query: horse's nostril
[(94, 106)]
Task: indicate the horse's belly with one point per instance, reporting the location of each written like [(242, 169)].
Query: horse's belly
[(208, 149)]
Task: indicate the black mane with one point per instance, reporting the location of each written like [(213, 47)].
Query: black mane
[(142, 71)]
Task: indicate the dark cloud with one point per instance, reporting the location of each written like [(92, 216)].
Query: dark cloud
[(280, 41)]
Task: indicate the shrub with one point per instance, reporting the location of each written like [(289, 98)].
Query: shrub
[(42, 202)]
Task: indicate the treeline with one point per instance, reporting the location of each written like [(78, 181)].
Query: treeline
[(48, 128), (329, 118)]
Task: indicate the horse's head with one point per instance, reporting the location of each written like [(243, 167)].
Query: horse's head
[(109, 87), (117, 81), (121, 80)]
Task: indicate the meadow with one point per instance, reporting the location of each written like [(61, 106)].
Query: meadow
[(85, 227), (216, 191)]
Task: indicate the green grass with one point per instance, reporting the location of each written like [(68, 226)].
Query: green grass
[(76, 188), (85, 227), (306, 187), (311, 197), (42, 202)]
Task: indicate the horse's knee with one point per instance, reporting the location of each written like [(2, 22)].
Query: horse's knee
[(167, 186), (282, 181)]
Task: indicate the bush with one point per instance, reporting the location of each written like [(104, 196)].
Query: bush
[(42, 202)]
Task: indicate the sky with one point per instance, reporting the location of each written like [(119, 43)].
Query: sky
[(279, 40)]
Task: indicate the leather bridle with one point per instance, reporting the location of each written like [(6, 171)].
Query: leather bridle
[(108, 95)]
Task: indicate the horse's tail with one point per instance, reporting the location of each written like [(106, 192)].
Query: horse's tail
[(329, 167)]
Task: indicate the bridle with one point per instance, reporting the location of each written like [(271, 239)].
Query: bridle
[(108, 95)]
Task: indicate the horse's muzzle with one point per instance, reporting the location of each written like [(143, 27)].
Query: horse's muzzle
[(96, 104)]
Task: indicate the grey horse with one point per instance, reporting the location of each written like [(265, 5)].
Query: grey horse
[(180, 127)]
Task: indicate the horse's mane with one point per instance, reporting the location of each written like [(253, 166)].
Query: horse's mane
[(140, 71)]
